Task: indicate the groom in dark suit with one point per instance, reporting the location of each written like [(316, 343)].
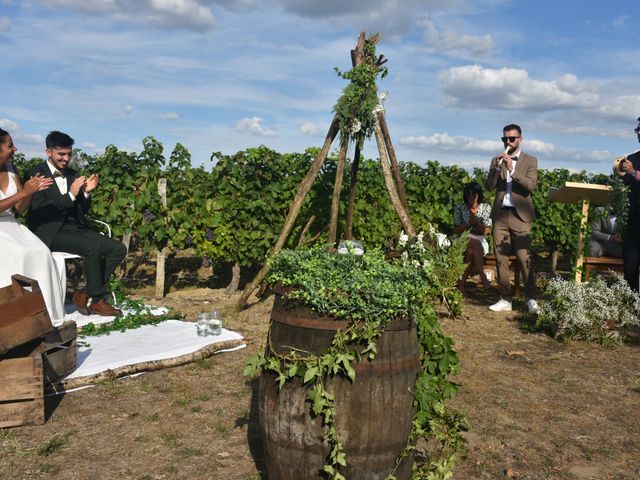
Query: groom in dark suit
[(57, 217)]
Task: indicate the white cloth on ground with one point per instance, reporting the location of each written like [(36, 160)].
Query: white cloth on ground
[(23, 253), (169, 339)]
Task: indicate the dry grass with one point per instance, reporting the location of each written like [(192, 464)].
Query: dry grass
[(537, 409)]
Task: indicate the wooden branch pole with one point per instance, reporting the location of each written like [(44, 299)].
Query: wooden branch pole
[(351, 205), (305, 230), (357, 54), (161, 254), (388, 180), (337, 189), (583, 225), (303, 189), (152, 365), (395, 168)]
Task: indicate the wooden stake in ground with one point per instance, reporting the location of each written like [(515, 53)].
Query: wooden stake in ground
[(303, 189), (161, 254), (126, 241)]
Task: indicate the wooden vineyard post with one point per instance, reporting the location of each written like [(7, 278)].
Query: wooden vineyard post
[(160, 254), (126, 241), (337, 189), (303, 189)]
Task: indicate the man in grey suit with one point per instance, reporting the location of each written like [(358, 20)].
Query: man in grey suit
[(605, 241), (513, 175)]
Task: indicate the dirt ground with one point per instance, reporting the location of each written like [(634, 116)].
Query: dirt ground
[(537, 409)]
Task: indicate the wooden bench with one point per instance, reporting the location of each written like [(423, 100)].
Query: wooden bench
[(490, 261), (601, 263)]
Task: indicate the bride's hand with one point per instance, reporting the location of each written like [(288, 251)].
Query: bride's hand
[(37, 184)]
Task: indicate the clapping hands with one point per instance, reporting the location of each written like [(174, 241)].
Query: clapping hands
[(37, 184), (85, 184), (91, 183)]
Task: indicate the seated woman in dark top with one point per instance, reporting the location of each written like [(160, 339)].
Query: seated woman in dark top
[(473, 216)]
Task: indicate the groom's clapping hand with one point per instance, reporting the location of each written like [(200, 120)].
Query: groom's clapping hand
[(77, 184), (91, 183)]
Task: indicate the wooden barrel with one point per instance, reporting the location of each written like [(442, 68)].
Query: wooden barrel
[(373, 414)]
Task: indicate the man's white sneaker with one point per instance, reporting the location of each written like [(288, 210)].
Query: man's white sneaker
[(533, 307), (501, 305)]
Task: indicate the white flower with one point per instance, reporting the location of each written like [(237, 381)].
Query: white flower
[(356, 126), (403, 239), (585, 310), (443, 241)]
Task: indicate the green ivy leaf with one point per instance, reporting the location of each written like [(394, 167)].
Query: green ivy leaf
[(310, 374)]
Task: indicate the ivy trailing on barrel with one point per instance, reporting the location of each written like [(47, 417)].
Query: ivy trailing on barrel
[(370, 291)]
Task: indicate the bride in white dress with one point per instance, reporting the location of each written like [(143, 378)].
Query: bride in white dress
[(20, 250)]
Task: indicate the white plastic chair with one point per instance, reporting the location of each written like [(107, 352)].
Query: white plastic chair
[(60, 259)]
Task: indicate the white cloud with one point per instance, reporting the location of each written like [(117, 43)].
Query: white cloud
[(169, 116), (33, 139), (538, 147), (254, 127), (31, 144), (449, 41), (623, 108), (5, 24), (366, 8), (128, 109), (392, 18), (581, 157), (474, 86), (89, 146), (510, 88), (621, 22), (309, 128), (468, 147), (8, 125), (570, 126), (178, 14), (443, 142)]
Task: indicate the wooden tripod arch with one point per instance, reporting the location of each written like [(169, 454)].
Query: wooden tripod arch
[(390, 169)]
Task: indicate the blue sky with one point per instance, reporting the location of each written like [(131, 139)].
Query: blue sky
[(225, 75)]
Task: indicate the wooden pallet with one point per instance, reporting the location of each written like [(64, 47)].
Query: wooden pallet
[(21, 391), (24, 313)]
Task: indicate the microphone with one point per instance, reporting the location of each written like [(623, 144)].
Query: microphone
[(499, 164)]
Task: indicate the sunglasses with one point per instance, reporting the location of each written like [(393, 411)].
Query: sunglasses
[(510, 139)]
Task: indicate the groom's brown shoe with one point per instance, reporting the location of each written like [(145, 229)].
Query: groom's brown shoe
[(101, 307), (80, 301)]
